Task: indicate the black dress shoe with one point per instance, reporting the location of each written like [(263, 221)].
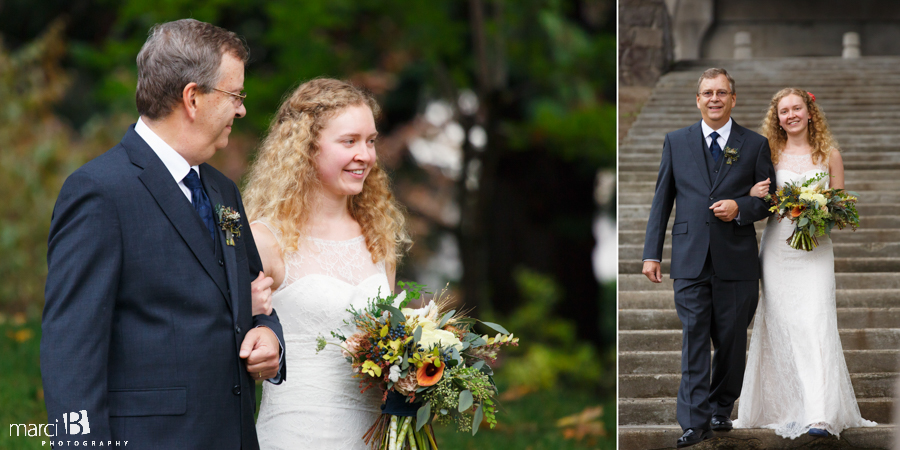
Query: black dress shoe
[(693, 436), (720, 423)]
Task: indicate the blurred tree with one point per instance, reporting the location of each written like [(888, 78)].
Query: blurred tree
[(530, 84)]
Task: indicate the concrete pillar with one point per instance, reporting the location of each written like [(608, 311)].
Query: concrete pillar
[(851, 45), (690, 21), (742, 48)]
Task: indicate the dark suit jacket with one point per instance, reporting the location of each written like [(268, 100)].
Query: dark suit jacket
[(685, 180), (144, 316)]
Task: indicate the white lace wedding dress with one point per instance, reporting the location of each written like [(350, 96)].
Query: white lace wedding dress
[(796, 375), (319, 405)]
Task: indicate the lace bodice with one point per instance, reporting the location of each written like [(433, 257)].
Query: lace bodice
[(348, 261), (799, 163)]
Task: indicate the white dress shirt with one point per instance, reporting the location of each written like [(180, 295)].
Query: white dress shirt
[(177, 165), (724, 133)]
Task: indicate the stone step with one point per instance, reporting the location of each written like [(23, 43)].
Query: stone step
[(670, 340), (841, 125), (653, 155), (654, 167), (669, 362), (667, 319), (865, 385), (851, 177), (859, 184), (887, 280), (661, 411), (842, 265), (646, 198), (663, 437), (868, 222), (866, 250), (844, 298), (842, 236)]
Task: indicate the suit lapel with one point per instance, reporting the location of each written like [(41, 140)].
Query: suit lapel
[(215, 199), (734, 141), (695, 146), (159, 182)]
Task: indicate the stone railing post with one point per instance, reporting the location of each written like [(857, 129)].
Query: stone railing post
[(742, 48), (851, 45)]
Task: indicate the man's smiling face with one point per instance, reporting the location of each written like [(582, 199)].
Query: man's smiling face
[(715, 108)]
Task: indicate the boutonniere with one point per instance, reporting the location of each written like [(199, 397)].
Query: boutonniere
[(230, 222), (731, 154)]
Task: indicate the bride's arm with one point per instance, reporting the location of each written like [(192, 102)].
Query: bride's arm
[(392, 276), (269, 253), (836, 168)]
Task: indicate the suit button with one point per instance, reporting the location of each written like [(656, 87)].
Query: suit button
[(236, 390), (707, 223), (221, 263), (237, 330)]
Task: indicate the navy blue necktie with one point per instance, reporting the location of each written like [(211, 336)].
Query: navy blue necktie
[(200, 201), (714, 146)]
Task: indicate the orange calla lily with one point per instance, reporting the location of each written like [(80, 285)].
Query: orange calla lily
[(429, 374), (796, 211)]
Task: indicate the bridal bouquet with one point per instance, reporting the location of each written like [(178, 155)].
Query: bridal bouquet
[(814, 210), (429, 364)]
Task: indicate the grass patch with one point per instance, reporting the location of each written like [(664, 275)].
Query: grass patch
[(530, 423), (20, 380)]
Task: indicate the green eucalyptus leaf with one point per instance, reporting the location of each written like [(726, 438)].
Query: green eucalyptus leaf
[(417, 335), (476, 420), (423, 415), (496, 327), (446, 318), (397, 316), (465, 400)]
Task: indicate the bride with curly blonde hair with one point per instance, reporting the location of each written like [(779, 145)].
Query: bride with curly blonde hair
[(330, 235), (796, 379)]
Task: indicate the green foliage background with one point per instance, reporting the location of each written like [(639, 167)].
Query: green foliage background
[(544, 71)]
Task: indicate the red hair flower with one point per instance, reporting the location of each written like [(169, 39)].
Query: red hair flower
[(813, 97)]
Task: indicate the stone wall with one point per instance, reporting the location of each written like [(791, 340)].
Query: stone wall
[(803, 27), (645, 42)]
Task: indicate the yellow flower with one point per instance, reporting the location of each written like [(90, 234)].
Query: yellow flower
[(372, 369)]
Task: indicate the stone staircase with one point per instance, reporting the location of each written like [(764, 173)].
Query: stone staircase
[(861, 99)]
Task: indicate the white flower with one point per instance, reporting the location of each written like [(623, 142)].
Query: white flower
[(428, 311), (395, 373), (811, 196), (432, 336)]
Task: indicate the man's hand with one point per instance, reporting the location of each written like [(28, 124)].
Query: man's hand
[(653, 271), (261, 293), (725, 210), (261, 350)]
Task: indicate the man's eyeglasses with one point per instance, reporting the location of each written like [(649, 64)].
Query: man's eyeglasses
[(720, 94), (239, 97)]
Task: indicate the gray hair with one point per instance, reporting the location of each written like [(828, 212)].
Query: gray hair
[(713, 73), (176, 54)]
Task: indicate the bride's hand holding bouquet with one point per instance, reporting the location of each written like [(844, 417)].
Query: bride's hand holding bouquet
[(813, 208)]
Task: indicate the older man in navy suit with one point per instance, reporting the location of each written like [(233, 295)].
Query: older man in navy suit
[(707, 170), (149, 335)]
